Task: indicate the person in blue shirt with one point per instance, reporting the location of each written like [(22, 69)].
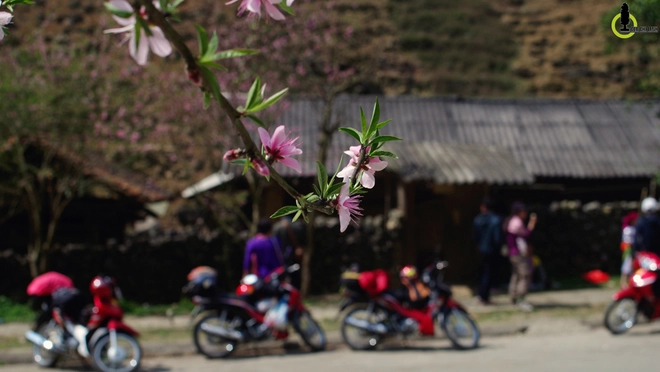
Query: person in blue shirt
[(488, 235)]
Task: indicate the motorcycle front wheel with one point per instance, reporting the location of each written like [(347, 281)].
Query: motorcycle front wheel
[(309, 330), (621, 315), (358, 338), (124, 358), (213, 346), (461, 329), (53, 333)]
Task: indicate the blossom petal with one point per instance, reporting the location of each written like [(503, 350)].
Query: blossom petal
[(253, 6), (159, 43), (344, 219), (5, 18), (140, 53), (291, 163), (119, 30), (272, 11), (123, 5), (264, 137), (290, 150), (347, 172), (278, 137), (355, 150), (260, 167), (289, 2), (377, 164), (368, 180)]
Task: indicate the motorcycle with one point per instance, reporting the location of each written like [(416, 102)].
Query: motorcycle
[(101, 336), (621, 314), (375, 314), (258, 310)]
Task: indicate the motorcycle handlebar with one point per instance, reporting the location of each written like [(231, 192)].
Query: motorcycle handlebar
[(293, 268)]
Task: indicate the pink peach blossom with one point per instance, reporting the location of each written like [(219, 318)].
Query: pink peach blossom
[(369, 168), (347, 206), (279, 149)]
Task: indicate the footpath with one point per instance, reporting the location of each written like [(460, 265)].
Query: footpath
[(564, 311)]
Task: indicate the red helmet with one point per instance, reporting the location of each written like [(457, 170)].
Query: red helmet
[(102, 287), (409, 272)]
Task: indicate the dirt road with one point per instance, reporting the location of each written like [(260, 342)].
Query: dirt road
[(581, 350)]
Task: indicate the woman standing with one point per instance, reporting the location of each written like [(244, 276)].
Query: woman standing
[(519, 253)]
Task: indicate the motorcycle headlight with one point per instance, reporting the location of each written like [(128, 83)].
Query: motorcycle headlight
[(647, 263)]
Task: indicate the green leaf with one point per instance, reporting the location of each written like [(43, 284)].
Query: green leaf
[(322, 175), (316, 189), (174, 5), (334, 189), (341, 160), (383, 139), (363, 121), (121, 13), (138, 26), (384, 154), (163, 4), (247, 166), (207, 99), (202, 40), (296, 216), (208, 75), (382, 124), (353, 132), (256, 120), (144, 25), (312, 198), (232, 53), (286, 210), (269, 102), (213, 44), (374, 120), (213, 65), (286, 8), (252, 94), (239, 161)]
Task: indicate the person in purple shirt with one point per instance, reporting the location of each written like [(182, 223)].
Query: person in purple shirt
[(262, 253), (519, 253)]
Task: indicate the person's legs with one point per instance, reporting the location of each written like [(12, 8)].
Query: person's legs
[(485, 278), (519, 278), (513, 283)]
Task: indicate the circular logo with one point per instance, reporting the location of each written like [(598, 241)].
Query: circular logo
[(617, 33)]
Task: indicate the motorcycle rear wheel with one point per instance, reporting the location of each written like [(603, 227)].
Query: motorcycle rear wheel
[(309, 330), (358, 338), (461, 329), (213, 346), (621, 315), (50, 331)]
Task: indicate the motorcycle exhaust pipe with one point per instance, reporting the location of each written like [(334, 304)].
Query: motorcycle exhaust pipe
[(39, 340), (222, 332), (378, 328)]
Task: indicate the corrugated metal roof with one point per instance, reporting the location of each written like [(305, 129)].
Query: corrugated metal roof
[(477, 140), (457, 163)]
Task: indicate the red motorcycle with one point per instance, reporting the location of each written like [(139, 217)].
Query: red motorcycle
[(622, 313), (376, 313), (95, 332), (259, 310)]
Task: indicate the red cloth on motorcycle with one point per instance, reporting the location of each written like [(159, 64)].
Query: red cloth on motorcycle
[(596, 277), (46, 284), (374, 282)]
